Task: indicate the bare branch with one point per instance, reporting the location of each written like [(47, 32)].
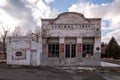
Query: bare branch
[(17, 32), (3, 38)]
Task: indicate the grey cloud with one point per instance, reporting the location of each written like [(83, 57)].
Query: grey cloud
[(17, 9), (28, 13)]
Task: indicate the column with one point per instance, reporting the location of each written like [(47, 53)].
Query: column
[(62, 49), (97, 50), (79, 49)]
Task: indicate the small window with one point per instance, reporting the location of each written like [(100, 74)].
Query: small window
[(19, 54), (53, 50), (65, 26), (68, 26)]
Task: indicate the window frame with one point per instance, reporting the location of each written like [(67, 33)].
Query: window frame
[(70, 50), (53, 50), (88, 50)]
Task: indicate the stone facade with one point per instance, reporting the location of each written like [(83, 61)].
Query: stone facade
[(78, 40), (70, 39)]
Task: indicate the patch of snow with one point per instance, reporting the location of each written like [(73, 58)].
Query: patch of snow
[(79, 68), (106, 64), (86, 68)]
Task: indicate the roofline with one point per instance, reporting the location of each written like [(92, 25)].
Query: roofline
[(67, 13)]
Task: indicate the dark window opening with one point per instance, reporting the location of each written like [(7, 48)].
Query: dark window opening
[(88, 49), (53, 50), (19, 54)]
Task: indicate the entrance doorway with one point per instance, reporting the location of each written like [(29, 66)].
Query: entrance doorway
[(33, 57), (70, 50)]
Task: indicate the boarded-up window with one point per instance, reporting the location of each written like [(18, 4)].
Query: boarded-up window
[(88, 40), (70, 40), (53, 40)]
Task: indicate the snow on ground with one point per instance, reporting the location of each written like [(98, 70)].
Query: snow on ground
[(106, 64)]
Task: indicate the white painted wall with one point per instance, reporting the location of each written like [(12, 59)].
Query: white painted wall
[(23, 44), (72, 24)]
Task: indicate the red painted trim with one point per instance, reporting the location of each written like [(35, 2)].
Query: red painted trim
[(79, 47), (62, 48)]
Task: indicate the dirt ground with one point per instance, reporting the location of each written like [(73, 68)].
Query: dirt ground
[(50, 73)]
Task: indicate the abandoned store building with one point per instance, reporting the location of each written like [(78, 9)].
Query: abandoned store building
[(69, 39)]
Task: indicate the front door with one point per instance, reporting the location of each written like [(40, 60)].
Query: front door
[(33, 57), (70, 51)]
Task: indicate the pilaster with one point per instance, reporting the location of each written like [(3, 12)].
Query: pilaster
[(79, 49), (62, 49)]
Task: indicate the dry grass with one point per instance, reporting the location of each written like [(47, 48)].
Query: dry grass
[(2, 57)]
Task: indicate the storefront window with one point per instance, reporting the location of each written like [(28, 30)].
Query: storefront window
[(88, 49), (53, 50)]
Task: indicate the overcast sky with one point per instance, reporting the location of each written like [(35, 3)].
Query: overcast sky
[(28, 13)]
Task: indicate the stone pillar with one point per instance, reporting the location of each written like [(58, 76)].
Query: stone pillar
[(97, 50), (79, 49), (62, 50)]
